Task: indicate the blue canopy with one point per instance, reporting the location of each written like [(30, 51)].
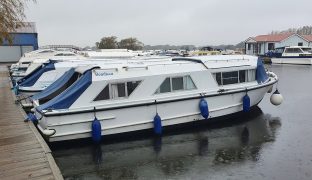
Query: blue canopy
[(55, 86), (70, 95), (32, 78), (261, 75)]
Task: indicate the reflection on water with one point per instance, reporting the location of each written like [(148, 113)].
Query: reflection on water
[(174, 155)]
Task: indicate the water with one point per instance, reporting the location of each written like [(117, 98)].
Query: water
[(268, 143)]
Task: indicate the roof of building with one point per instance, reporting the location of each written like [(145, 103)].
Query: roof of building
[(272, 37), (308, 37), (27, 27)]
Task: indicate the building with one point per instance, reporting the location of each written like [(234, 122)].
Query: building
[(261, 44), (24, 39)]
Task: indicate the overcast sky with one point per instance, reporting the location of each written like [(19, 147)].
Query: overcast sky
[(175, 22)]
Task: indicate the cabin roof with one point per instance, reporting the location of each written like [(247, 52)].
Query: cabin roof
[(176, 66)]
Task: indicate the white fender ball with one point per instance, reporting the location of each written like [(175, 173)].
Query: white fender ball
[(276, 98)]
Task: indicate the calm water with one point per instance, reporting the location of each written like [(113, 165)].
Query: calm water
[(268, 143)]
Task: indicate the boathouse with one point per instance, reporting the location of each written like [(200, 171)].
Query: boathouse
[(24, 39), (261, 44)]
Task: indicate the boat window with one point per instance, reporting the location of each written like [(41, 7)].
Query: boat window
[(242, 76), (307, 50), (177, 83), (131, 86), (251, 75), (115, 91), (218, 78), (293, 50), (118, 90), (230, 77), (188, 83), (165, 86), (233, 77), (104, 94)]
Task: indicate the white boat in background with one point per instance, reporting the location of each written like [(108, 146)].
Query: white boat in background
[(292, 55), (110, 54), (144, 95), (28, 64)]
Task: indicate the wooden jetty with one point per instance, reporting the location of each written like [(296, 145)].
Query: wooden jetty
[(24, 153)]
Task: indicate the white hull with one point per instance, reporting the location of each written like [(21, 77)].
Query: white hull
[(302, 61), (133, 118)]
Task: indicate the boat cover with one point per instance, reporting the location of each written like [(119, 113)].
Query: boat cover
[(32, 78), (59, 83), (70, 95), (261, 74)]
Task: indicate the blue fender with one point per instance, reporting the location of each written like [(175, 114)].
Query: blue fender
[(157, 125), (96, 130), (203, 106), (246, 103)]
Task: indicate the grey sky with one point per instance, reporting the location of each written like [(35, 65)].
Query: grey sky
[(175, 22)]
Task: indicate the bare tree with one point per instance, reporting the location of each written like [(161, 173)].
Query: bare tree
[(11, 16)]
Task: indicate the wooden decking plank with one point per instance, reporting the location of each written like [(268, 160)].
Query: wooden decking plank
[(15, 139), (21, 148), (21, 153), (25, 169), (30, 174), (23, 163), (17, 145), (25, 157)]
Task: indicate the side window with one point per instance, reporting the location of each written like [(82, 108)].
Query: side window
[(165, 86), (188, 83), (218, 78), (177, 83), (104, 94), (233, 77), (131, 86), (242, 76), (230, 77), (251, 75), (118, 90)]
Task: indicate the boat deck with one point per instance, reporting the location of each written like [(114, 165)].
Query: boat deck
[(24, 153)]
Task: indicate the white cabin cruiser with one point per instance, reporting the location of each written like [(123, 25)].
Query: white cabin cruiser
[(28, 64), (140, 96), (292, 55)]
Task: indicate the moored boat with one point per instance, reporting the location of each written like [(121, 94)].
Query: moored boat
[(292, 55), (131, 97)]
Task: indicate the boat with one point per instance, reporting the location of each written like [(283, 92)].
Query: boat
[(48, 73), (31, 63), (292, 55), (141, 95)]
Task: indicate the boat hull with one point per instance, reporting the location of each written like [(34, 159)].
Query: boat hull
[(293, 60), (139, 117)]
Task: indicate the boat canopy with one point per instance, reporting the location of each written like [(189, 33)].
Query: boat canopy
[(261, 75), (55, 86), (70, 95), (32, 78)]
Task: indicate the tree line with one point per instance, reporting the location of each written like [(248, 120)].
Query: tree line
[(304, 30), (112, 43)]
